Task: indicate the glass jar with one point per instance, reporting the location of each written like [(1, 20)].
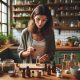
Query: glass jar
[(8, 65)]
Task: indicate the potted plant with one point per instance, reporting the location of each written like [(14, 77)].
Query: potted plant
[(23, 22), (72, 40), (2, 39), (10, 38), (13, 24)]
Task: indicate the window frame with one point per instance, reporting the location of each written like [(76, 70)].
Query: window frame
[(6, 14)]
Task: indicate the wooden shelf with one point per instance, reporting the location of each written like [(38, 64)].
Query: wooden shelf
[(68, 3), (63, 11), (18, 28), (23, 5), (68, 16), (67, 48), (21, 17), (22, 11), (67, 28), (49, 4), (68, 10)]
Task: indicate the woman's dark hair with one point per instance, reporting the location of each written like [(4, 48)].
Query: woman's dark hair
[(41, 10)]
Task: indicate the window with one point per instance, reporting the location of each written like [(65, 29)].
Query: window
[(4, 1), (4, 7), (0, 12)]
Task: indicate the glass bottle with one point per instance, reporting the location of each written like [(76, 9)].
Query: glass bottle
[(23, 72), (38, 61), (45, 69), (73, 60), (73, 64), (49, 70), (53, 67), (8, 65), (72, 24), (64, 61), (28, 73)]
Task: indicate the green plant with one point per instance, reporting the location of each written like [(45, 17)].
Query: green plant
[(72, 39), (13, 24), (3, 39), (10, 38), (24, 21)]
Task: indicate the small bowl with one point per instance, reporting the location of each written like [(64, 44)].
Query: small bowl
[(11, 73)]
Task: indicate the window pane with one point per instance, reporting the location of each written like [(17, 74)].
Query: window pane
[(4, 18), (0, 6), (5, 1), (4, 8), (0, 17), (4, 28), (0, 27)]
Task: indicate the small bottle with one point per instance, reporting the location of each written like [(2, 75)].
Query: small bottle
[(53, 67), (58, 73), (28, 71), (73, 61), (49, 70), (23, 72), (45, 69), (72, 24), (64, 61), (37, 61)]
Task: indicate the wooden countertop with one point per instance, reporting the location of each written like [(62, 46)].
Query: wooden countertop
[(52, 77), (4, 47), (45, 77)]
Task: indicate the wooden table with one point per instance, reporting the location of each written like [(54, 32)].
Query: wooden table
[(4, 47), (45, 77)]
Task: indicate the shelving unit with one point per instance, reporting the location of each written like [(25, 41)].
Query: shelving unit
[(66, 12)]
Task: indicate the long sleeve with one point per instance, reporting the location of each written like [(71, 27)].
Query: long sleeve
[(23, 42)]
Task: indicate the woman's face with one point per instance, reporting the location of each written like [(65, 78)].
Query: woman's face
[(40, 20)]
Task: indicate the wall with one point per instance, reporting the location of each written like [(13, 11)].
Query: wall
[(62, 36)]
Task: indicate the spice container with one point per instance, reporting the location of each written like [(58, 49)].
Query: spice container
[(8, 65), (58, 73)]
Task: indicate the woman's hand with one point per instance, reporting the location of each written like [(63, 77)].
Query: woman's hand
[(44, 58), (28, 52)]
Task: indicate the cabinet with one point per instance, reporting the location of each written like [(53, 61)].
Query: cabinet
[(65, 13)]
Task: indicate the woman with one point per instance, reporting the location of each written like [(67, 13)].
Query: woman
[(38, 38)]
